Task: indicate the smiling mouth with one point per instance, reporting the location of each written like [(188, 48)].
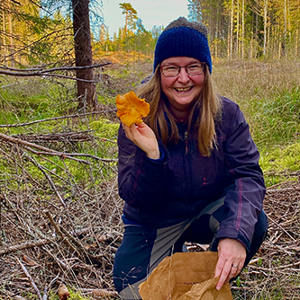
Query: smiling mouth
[(183, 89)]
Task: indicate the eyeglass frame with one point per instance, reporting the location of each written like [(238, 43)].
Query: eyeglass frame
[(179, 70)]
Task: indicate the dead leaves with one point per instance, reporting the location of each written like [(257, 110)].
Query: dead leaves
[(29, 261), (104, 293), (63, 292), (131, 109)]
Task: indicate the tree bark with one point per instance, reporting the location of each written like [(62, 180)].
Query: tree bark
[(243, 29), (86, 91), (231, 29), (11, 47), (237, 47), (4, 34), (265, 25)]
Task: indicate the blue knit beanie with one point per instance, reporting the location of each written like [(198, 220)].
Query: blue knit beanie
[(183, 38)]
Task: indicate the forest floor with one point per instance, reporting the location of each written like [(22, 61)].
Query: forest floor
[(46, 241), (83, 258)]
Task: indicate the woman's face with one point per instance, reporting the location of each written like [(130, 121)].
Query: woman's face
[(183, 89)]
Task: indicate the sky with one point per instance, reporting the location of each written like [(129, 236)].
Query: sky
[(151, 12)]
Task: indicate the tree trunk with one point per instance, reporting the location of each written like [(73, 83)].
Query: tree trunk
[(4, 35), (126, 23), (10, 34), (256, 35), (265, 25), (243, 29), (296, 42), (237, 46), (283, 47), (231, 28), (86, 91)]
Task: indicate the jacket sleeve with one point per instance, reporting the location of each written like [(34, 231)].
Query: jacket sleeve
[(245, 188), (140, 179)]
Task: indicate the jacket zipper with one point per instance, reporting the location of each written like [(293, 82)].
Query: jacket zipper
[(187, 166), (186, 141)]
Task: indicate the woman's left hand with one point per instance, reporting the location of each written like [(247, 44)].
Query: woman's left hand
[(232, 255)]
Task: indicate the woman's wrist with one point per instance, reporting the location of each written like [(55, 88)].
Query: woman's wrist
[(155, 154)]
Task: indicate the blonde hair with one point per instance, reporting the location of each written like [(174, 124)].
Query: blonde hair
[(207, 106)]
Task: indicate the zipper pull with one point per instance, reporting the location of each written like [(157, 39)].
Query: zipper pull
[(186, 140)]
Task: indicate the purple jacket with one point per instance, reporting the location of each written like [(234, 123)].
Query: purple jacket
[(163, 192)]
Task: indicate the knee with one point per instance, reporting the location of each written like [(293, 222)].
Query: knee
[(260, 233), (127, 281), (261, 228), (126, 272)]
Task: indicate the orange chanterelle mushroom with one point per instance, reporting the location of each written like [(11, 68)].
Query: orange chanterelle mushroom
[(131, 109)]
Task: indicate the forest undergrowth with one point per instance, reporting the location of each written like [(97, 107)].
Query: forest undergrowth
[(60, 213)]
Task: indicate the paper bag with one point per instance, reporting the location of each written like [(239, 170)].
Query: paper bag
[(185, 276)]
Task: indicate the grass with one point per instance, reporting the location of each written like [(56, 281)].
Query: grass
[(279, 163), (269, 96)]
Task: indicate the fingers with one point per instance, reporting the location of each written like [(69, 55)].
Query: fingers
[(228, 272), (232, 255), (223, 270), (128, 130), (143, 137), (235, 269)]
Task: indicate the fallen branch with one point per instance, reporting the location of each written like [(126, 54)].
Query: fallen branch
[(284, 190), (58, 118), (25, 246), (100, 292), (48, 151), (30, 279), (281, 228), (47, 288), (284, 173), (60, 263), (73, 239), (40, 72), (69, 137), (55, 153)]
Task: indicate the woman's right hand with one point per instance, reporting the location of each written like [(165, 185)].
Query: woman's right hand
[(143, 136)]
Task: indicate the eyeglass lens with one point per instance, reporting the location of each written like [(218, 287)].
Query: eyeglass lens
[(173, 71)]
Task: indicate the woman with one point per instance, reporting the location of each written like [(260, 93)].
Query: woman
[(190, 172)]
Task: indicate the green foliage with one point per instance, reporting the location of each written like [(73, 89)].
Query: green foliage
[(278, 118), (104, 128), (73, 296), (130, 15), (33, 99), (38, 99), (270, 101), (275, 128), (30, 296), (238, 282), (277, 164)]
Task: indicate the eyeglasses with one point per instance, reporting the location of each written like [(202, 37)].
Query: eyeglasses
[(173, 71)]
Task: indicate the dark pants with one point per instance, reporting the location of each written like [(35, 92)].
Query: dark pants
[(143, 248)]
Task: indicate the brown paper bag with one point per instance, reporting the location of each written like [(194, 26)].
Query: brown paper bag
[(185, 276)]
